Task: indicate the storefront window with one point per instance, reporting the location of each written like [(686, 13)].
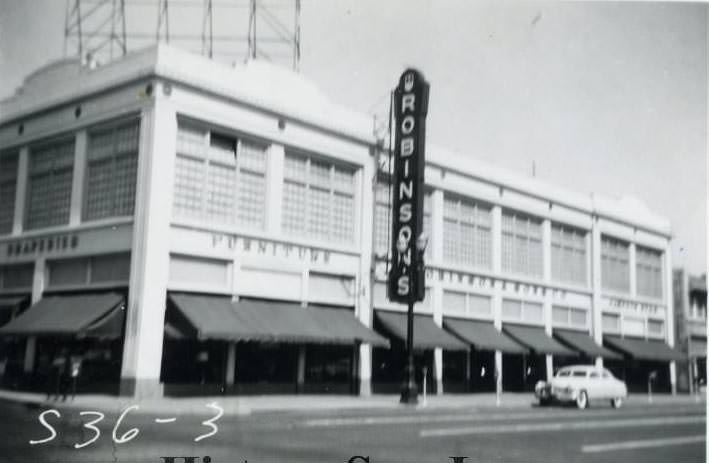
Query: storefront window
[(49, 184)]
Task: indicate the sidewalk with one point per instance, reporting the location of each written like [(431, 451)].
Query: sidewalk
[(245, 405)]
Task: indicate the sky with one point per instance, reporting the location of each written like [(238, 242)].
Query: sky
[(597, 96)]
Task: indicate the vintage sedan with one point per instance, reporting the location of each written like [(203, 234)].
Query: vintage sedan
[(580, 384)]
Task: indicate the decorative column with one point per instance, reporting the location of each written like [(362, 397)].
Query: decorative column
[(438, 352), (230, 364), (596, 281), (632, 259), (669, 312), (77, 186), (150, 257), (38, 284), (300, 378), (497, 289), (546, 261), (436, 240), (20, 189), (364, 296)]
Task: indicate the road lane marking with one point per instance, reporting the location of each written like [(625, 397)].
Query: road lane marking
[(641, 444), (474, 415), (563, 426), (165, 420)]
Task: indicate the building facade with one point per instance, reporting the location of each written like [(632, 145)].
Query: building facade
[(690, 295), (227, 231)]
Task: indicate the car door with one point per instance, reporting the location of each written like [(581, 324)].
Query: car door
[(596, 385)]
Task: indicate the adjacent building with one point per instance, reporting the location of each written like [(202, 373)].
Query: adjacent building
[(184, 227), (690, 296)]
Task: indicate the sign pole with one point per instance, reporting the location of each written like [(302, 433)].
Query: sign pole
[(406, 285)]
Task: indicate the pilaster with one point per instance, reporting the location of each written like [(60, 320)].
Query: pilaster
[(150, 258)]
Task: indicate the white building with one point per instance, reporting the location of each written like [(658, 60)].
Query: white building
[(187, 226)]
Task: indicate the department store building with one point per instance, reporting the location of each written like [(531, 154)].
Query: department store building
[(187, 227)]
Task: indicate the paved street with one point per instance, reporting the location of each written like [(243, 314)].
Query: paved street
[(636, 433)]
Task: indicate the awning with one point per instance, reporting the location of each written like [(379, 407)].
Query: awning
[(8, 307), (427, 335), (483, 335), (537, 340), (697, 347), (644, 349), (585, 344), (95, 315), (11, 302), (215, 317)]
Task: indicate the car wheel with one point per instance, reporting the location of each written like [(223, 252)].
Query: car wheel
[(616, 402), (582, 400)]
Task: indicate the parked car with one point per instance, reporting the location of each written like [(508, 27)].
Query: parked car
[(580, 384)]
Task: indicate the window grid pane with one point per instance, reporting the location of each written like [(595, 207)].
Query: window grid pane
[(466, 233), (111, 171), (8, 187), (219, 178), (615, 270), (521, 245), (49, 185), (294, 207), (220, 192), (568, 254), (318, 199), (189, 178), (648, 272), (511, 309)]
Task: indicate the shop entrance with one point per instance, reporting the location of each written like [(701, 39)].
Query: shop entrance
[(520, 372)]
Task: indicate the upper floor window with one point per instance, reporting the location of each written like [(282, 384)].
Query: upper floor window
[(522, 310), (383, 218), (615, 269), (219, 178), (49, 184), (467, 235), (82, 271), (568, 254), (8, 187), (318, 199), (16, 276), (648, 272), (610, 323), (569, 316), (521, 244), (111, 167)]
